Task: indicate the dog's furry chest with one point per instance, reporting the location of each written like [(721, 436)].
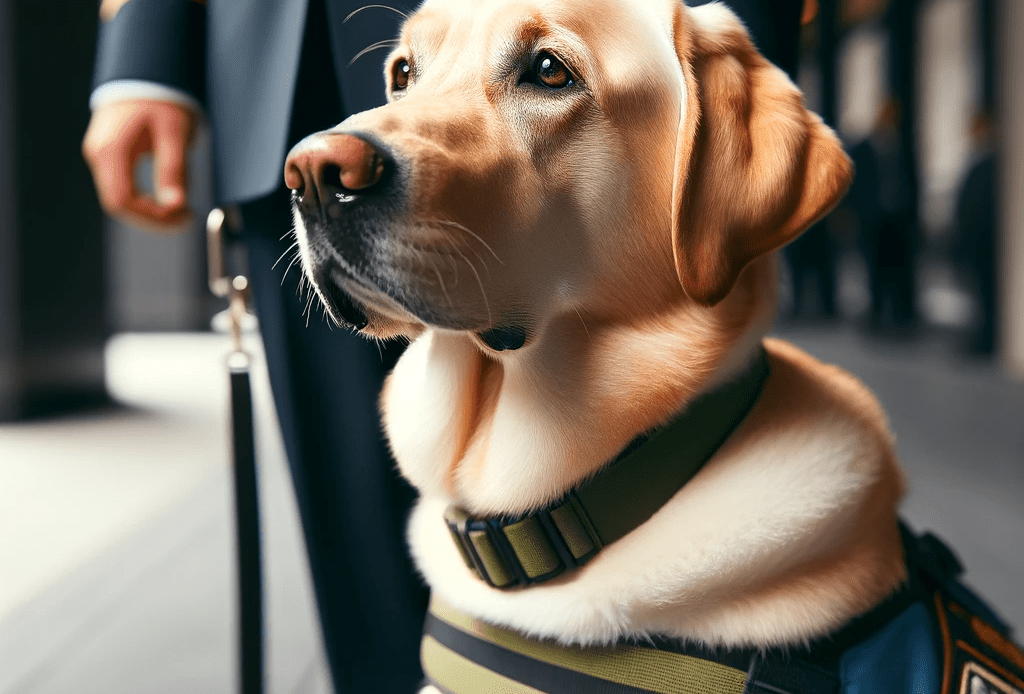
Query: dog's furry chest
[(786, 533)]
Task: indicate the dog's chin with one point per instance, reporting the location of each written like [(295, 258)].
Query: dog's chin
[(352, 304), (384, 323), (374, 317)]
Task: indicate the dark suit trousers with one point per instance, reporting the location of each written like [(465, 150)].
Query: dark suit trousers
[(352, 503)]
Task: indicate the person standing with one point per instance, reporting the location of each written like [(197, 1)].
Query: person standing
[(265, 73), (881, 198), (976, 231)]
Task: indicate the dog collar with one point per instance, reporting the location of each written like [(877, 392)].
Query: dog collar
[(535, 547)]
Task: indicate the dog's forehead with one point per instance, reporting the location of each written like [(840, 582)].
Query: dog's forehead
[(609, 30)]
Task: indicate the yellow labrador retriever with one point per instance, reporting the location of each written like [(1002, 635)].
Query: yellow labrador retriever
[(572, 211)]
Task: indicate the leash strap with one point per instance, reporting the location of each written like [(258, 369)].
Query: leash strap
[(247, 510), (243, 451), (509, 552)]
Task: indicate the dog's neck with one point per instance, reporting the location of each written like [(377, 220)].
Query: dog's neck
[(507, 433), (787, 533)]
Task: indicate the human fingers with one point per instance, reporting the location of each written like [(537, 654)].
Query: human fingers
[(173, 129)]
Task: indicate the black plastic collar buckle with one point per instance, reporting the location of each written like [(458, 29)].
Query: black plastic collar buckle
[(507, 553)]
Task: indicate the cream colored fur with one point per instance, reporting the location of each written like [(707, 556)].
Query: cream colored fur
[(632, 228), (787, 533)]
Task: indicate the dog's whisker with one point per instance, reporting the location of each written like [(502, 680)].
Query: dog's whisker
[(356, 11), (286, 252), (585, 328), (455, 270), (291, 264), (309, 306), (372, 47), (327, 318), (326, 315), (448, 222), (440, 280), (483, 293)]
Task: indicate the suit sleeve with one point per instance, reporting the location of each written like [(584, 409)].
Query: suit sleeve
[(158, 41)]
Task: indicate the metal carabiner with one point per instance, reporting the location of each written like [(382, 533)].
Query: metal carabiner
[(235, 289)]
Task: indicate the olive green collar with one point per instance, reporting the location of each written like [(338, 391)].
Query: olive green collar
[(509, 552)]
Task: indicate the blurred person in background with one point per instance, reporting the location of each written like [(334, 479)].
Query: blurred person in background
[(265, 73), (880, 198), (812, 268), (974, 236)]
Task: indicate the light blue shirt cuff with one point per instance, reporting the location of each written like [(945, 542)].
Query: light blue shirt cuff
[(129, 90)]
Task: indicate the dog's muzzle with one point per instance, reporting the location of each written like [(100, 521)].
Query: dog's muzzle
[(341, 185)]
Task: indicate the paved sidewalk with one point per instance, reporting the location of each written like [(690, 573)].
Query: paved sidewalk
[(117, 558), (123, 547)]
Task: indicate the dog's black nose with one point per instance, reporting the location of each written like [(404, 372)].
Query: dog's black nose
[(328, 168)]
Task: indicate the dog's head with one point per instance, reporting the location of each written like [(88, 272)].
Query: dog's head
[(533, 159)]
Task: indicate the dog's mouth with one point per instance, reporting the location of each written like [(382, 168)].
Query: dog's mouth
[(337, 288), (339, 304), (354, 302)]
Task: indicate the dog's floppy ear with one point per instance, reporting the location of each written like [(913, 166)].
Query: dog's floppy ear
[(754, 168)]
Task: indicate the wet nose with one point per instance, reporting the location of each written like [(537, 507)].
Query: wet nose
[(328, 165)]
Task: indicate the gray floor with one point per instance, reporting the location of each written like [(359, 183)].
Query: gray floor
[(117, 558), (133, 591)]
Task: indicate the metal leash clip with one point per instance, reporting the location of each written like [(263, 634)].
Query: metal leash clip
[(235, 289), (243, 449)]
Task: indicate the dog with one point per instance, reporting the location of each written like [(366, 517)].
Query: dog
[(572, 211)]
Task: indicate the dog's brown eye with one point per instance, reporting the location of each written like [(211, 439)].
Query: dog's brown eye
[(551, 72), (401, 75)]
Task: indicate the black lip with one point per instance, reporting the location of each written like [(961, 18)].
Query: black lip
[(343, 308), (504, 338)]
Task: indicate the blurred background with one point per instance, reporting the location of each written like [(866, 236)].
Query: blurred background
[(116, 554)]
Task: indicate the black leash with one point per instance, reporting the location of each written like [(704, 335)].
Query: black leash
[(243, 450)]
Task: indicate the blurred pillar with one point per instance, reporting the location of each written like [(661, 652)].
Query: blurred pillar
[(52, 319), (828, 54), (902, 22), (1011, 132), (9, 382), (987, 13)]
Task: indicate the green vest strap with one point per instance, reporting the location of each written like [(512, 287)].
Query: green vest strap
[(462, 655)]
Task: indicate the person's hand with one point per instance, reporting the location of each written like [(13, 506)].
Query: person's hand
[(118, 134)]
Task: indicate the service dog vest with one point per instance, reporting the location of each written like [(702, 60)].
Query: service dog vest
[(933, 636)]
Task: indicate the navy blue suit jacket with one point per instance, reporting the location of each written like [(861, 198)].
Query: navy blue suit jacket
[(240, 59)]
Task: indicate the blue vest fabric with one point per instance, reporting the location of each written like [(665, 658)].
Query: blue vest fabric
[(902, 658)]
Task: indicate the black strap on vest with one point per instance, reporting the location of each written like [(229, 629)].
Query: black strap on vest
[(538, 546)]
